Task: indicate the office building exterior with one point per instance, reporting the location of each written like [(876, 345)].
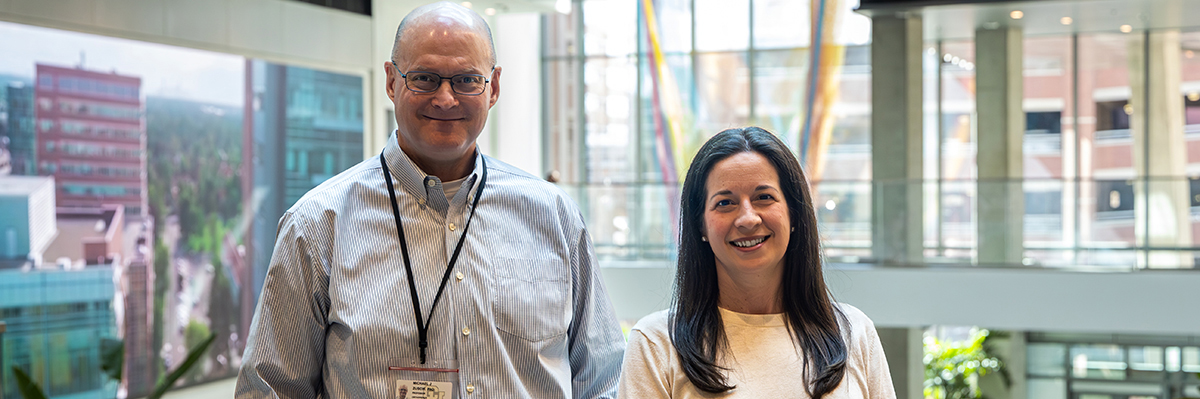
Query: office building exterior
[(28, 224), (20, 132), (302, 126), (55, 320), (91, 136)]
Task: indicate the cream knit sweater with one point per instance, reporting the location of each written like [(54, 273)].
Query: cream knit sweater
[(763, 360)]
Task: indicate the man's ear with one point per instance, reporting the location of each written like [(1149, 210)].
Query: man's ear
[(495, 86), (392, 75)]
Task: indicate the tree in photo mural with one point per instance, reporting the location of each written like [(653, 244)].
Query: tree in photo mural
[(194, 163)]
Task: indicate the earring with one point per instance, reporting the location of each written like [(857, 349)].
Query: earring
[(793, 229), (703, 238)]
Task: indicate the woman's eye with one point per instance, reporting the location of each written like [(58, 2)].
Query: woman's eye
[(765, 196), (724, 202)]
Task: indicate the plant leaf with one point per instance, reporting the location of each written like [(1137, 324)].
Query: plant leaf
[(28, 388), (112, 357), (192, 357)]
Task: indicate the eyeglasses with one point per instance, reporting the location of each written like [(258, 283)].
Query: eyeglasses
[(427, 82)]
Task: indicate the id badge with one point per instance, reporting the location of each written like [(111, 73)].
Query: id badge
[(436, 379)]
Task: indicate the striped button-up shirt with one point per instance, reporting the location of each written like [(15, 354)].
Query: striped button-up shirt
[(524, 313)]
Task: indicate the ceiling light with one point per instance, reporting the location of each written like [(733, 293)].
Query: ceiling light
[(466, 4), (1193, 96), (1016, 14), (1189, 53), (1126, 29), (490, 11), (1066, 20), (562, 6)]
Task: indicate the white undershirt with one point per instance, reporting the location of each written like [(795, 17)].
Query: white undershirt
[(451, 187)]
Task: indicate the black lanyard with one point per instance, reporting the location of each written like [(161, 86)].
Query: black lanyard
[(423, 325)]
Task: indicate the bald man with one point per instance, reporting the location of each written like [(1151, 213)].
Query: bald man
[(433, 267)]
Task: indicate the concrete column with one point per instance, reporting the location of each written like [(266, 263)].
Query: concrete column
[(1157, 128), (904, 350), (998, 101), (896, 87)]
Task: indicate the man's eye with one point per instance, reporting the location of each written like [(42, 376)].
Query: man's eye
[(470, 80), (422, 77)]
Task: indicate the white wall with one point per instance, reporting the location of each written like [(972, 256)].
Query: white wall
[(515, 136), (276, 30)]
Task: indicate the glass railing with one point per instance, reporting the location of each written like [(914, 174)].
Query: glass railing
[(1095, 224)]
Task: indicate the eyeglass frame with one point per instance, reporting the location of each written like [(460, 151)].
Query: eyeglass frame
[(404, 76)]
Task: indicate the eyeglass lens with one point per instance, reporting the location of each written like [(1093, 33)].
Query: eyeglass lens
[(461, 84)]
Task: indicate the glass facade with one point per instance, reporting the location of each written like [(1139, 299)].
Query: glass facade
[(636, 101), (1061, 365), (304, 126), (21, 144), (653, 80), (55, 319)]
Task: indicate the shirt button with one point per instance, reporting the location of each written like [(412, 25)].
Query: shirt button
[(430, 183), (451, 226), (466, 331), (458, 276), (470, 388)]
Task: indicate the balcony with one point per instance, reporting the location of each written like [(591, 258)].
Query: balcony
[(1071, 225)]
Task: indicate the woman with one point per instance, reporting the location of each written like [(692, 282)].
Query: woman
[(751, 316)]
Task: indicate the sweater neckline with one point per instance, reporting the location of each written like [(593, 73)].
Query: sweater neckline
[(752, 320)]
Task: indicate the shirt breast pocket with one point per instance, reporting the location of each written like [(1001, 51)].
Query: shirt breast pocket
[(531, 298)]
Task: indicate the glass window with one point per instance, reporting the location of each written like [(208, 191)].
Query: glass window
[(668, 101), (559, 38), (610, 27), (722, 25), (1191, 359), (1047, 388), (1098, 361), (609, 103), (674, 29), (780, 78), (723, 93), (1146, 362), (782, 23), (1047, 359), (1172, 359), (1105, 156)]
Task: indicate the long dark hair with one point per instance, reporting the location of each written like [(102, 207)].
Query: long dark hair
[(696, 328)]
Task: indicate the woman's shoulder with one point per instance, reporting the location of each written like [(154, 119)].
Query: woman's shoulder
[(856, 324), (655, 326), (857, 321)]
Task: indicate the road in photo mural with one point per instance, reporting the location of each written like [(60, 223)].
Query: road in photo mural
[(169, 168)]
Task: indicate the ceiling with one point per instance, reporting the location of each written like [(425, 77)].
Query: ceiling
[(1046, 17)]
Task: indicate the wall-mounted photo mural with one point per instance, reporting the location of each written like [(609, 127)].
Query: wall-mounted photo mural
[(140, 186)]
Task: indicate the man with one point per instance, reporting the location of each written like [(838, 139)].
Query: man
[(432, 265)]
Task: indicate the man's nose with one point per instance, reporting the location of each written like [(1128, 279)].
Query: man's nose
[(444, 96)]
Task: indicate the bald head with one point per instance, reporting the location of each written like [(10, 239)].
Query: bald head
[(443, 14)]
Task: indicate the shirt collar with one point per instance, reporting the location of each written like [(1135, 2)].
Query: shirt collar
[(415, 181)]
